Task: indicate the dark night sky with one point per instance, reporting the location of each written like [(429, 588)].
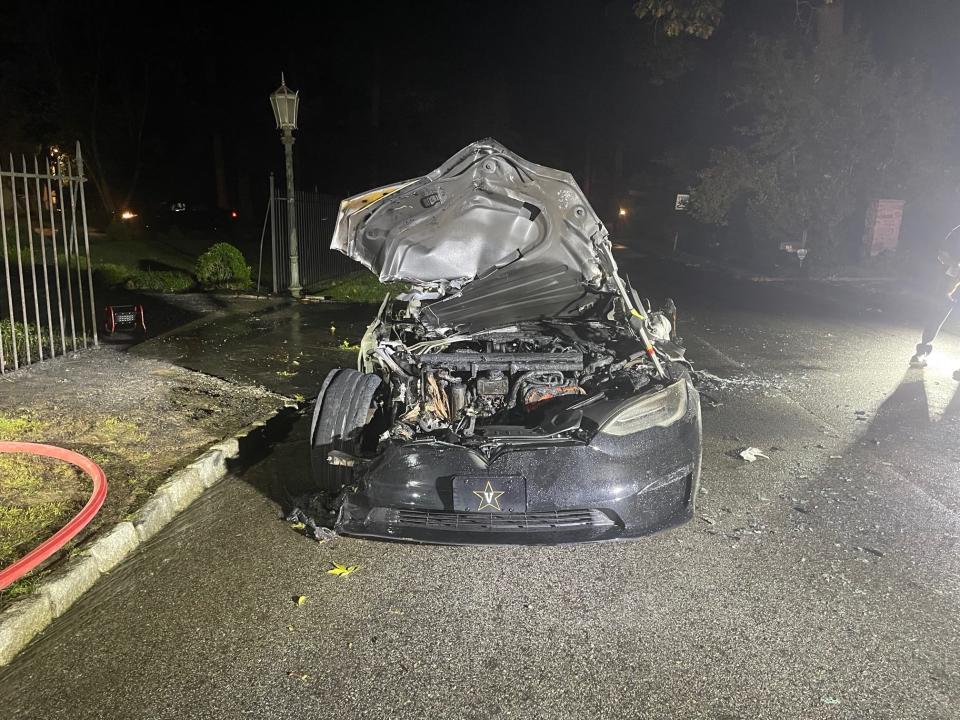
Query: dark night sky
[(389, 90)]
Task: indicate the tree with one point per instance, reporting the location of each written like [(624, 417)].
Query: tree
[(698, 18), (86, 78), (823, 130)]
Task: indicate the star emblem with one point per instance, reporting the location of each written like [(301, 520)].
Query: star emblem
[(489, 498)]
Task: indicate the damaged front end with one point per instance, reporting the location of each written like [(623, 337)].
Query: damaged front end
[(519, 391)]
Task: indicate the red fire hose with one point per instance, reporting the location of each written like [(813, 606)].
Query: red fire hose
[(60, 538)]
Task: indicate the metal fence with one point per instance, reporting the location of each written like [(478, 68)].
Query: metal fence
[(46, 280), (316, 216)]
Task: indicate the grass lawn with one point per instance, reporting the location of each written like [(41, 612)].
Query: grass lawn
[(146, 251), (38, 495), (361, 286), (150, 260)]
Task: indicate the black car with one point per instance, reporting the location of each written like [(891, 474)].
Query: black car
[(519, 391)]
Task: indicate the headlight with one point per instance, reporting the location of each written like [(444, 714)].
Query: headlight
[(658, 409)]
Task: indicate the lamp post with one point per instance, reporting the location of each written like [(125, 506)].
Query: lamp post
[(285, 104)]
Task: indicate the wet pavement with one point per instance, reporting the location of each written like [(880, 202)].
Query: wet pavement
[(288, 348), (823, 582)]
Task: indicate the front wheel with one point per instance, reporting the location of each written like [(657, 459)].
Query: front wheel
[(344, 407)]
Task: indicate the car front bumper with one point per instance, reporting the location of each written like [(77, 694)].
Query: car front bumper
[(610, 488)]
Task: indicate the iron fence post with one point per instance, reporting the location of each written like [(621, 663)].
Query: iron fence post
[(66, 256), (43, 255), (33, 261), (75, 246), (56, 265), (6, 270), (86, 246), (23, 291)]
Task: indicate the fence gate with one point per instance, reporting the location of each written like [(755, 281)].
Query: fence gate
[(46, 280), (316, 216)]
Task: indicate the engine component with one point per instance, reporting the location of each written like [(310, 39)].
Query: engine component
[(512, 362), (458, 398), (493, 382), (437, 398), (536, 395)]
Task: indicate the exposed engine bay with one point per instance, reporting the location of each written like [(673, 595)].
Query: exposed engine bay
[(519, 381)]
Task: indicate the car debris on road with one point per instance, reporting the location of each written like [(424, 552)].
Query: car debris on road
[(752, 454)]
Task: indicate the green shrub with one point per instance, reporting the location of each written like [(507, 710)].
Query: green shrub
[(111, 274), (223, 266), (169, 281)]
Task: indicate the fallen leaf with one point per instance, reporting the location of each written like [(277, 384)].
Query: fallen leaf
[(342, 570), (301, 599), (298, 526)]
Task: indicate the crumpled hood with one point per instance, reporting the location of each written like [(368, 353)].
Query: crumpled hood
[(483, 209)]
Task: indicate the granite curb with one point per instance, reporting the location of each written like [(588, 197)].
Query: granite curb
[(26, 618)]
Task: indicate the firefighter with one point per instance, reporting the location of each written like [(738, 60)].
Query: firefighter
[(947, 295)]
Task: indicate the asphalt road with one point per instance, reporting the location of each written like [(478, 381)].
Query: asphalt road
[(823, 582)]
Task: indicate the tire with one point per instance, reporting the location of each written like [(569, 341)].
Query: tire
[(339, 417)]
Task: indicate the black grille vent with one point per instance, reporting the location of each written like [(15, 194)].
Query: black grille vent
[(502, 522)]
